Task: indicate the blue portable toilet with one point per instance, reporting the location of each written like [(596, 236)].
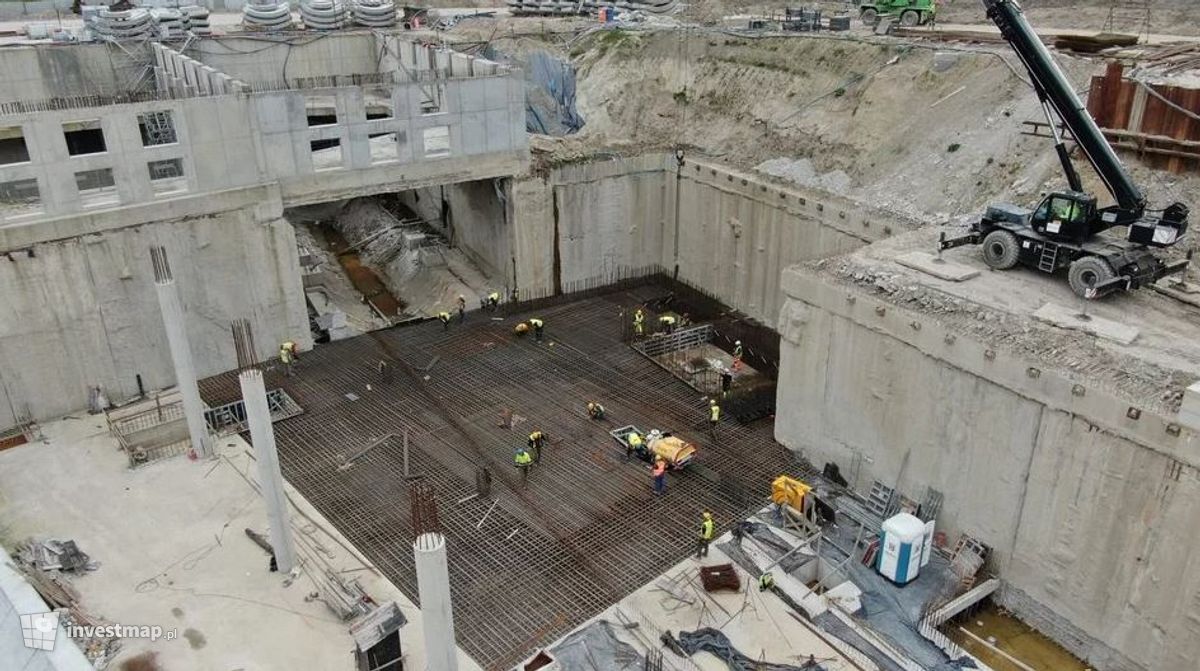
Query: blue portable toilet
[(901, 547)]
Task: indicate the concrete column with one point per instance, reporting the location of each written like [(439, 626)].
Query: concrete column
[(181, 357), (437, 614), (270, 480)]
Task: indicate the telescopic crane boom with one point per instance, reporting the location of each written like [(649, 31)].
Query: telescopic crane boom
[(1061, 232)]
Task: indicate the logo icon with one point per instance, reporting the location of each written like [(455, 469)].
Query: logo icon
[(39, 630)]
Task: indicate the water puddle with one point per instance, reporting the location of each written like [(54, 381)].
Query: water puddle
[(374, 291), (1031, 649)]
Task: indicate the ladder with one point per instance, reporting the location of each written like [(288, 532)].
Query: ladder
[(1047, 262)]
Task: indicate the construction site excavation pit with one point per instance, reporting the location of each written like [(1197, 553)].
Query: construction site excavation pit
[(528, 563)]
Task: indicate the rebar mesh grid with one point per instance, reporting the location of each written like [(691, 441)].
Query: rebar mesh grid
[(586, 529)]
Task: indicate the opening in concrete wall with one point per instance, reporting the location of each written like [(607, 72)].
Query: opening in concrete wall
[(378, 103), (437, 141), (385, 147), (157, 128), (434, 96), (96, 187), (166, 176), (321, 110), (84, 137), (12, 146), (21, 196), (326, 154)]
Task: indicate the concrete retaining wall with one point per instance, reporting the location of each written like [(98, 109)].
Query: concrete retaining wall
[(735, 231), (55, 71), (473, 216), (1090, 512), (81, 309)]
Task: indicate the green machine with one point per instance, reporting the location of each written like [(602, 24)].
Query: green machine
[(908, 12)]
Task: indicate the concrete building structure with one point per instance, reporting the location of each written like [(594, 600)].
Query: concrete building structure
[(158, 147), (1065, 453)]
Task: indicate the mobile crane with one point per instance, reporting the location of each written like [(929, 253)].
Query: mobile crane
[(1062, 232)]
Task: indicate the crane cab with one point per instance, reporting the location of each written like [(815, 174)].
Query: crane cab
[(1065, 216)]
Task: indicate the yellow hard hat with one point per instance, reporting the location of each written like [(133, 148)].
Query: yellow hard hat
[(707, 515)]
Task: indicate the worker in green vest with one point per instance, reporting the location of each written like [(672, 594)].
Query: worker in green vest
[(707, 530), (538, 325), (766, 581)]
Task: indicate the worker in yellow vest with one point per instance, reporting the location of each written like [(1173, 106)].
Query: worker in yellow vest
[(595, 410), (639, 322), (666, 323), (287, 356), (523, 460), (538, 325), (493, 300), (707, 530), (445, 319), (632, 445), (537, 440), (714, 416)]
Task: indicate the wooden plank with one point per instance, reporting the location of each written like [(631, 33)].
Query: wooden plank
[(1114, 83), (1121, 106), (1137, 109)]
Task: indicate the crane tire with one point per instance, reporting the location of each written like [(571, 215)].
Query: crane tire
[(1000, 250), (1088, 272), (910, 18), (869, 16)]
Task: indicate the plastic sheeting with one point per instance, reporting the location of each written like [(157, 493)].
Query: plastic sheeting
[(596, 648), (550, 96), (714, 642)]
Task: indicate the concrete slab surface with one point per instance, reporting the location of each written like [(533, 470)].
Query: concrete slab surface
[(936, 266), (1074, 319), (172, 552)]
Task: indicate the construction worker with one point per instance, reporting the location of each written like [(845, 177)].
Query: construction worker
[(639, 322), (523, 460), (726, 382), (714, 417), (766, 581), (707, 530), (537, 325), (537, 440), (595, 410), (633, 444), (660, 476), (666, 323), (287, 356), (445, 317), (737, 355), (493, 300), (462, 308), (521, 329)]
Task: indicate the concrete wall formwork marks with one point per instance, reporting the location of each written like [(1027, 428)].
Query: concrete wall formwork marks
[(736, 232), (1090, 514), (473, 216), (82, 311)]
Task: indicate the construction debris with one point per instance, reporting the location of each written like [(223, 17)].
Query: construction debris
[(719, 577), (716, 643), (55, 555)]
